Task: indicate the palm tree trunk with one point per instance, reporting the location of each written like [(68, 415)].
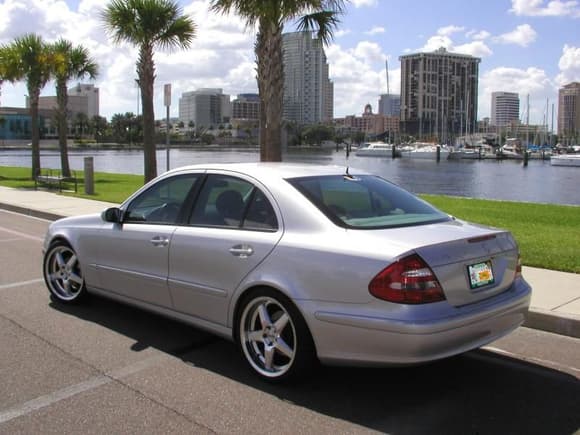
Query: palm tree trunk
[(146, 72), (271, 88), (34, 127), (62, 100)]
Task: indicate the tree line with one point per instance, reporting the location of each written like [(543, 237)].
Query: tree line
[(161, 24)]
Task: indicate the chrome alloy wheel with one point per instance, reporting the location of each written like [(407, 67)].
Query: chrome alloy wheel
[(268, 336), (62, 273)]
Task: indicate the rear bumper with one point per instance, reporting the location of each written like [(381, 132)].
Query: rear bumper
[(354, 337)]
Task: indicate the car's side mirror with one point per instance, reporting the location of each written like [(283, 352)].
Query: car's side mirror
[(113, 214)]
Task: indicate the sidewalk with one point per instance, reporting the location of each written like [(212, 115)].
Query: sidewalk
[(555, 305)]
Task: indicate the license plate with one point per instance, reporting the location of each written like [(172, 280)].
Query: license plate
[(480, 274)]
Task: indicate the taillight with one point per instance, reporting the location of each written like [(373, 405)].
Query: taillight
[(407, 281), (519, 267)]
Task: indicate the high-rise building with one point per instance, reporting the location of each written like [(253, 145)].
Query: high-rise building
[(505, 108), (308, 91), (439, 94), (206, 107), (569, 111), (390, 105), (247, 107)]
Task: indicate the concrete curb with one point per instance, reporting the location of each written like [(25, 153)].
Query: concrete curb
[(31, 212), (561, 323), (538, 318)]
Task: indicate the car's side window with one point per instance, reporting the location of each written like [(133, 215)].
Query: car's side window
[(260, 215), (161, 203), (231, 202)]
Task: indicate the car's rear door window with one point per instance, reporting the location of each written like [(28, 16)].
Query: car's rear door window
[(366, 201), (230, 202)]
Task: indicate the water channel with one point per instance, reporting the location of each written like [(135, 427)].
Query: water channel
[(490, 179)]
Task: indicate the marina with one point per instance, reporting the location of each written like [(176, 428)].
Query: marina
[(540, 181)]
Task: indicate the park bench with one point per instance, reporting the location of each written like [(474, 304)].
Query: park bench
[(54, 179)]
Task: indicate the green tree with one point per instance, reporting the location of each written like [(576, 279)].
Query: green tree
[(70, 63), (270, 16), (99, 125), (28, 58), (148, 24)]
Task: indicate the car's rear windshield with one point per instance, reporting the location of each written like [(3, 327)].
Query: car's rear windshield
[(366, 202)]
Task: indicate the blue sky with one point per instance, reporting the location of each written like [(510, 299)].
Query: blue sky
[(526, 46)]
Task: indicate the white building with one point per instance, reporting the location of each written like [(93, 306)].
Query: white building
[(308, 91), (505, 108), (206, 107), (82, 98)]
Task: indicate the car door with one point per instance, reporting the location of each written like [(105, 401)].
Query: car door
[(233, 227), (134, 255)]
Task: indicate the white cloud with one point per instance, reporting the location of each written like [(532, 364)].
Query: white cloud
[(375, 30), (442, 40), (475, 48), (342, 32), (221, 55), (369, 52), (436, 42), (363, 3), (569, 65), (449, 30), (523, 35), (531, 81), (481, 35), (359, 77), (554, 8)]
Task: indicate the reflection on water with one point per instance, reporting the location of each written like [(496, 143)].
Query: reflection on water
[(508, 180)]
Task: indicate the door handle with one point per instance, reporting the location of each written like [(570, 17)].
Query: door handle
[(242, 251), (160, 241)]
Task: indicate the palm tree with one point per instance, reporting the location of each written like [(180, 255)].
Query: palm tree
[(270, 16), (29, 58), (71, 63), (148, 24)]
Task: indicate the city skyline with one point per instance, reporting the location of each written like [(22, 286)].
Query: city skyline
[(526, 46)]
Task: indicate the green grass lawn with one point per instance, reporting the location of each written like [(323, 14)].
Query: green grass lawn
[(548, 235), (108, 187)]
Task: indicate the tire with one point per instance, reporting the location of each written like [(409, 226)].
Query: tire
[(273, 337), (63, 275)]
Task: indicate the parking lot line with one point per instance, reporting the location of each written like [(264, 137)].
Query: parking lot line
[(23, 235), (21, 283), (95, 382)]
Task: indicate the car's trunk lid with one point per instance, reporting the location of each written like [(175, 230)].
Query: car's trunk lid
[(471, 262)]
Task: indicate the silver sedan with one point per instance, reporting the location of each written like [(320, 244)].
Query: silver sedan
[(296, 264)]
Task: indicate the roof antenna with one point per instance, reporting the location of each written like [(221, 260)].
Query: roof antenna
[(349, 177)]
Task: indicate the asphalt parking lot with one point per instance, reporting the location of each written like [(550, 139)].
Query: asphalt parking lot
[(108, 368)]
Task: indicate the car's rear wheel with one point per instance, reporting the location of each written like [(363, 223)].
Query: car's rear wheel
[(273, 336), (62, 273)]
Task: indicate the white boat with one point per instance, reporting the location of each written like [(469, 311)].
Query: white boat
[(375, 149), (565, 160), (419, 150), (509, 152), (467, 154)]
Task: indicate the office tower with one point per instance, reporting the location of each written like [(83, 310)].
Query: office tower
[(390, 105), (247, 107), (439, 94), (505, 108), (569, 112), (308, 91), (206, 107)]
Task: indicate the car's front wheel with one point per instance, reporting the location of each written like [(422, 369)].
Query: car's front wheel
[(62, 273), (273, 336)]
